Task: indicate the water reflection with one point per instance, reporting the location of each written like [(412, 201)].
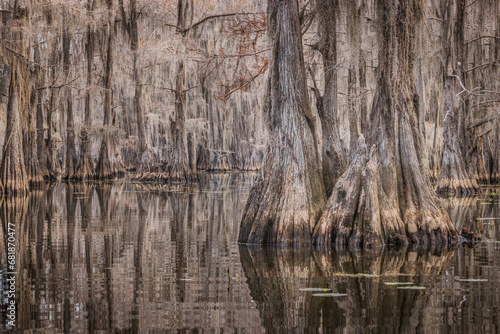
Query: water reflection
[(129, 258)]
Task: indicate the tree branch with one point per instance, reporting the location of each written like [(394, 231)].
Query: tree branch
[(28, 60), (210, 17)]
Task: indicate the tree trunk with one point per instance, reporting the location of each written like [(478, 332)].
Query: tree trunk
[(41, 149), (286, 201), (13, 176), (334, 159), (33, 169), (395, 203), (144, 158), (178, 166), (454, 177), (71, 157), (86, 166), (108, 166)]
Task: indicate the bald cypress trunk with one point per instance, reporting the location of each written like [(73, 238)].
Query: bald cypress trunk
[(86, 166), (334, 160), (71, 157), (144, 159), (13, 174), (108, 165), (386, 196), (284, 205), (178, 165), (453, 177)]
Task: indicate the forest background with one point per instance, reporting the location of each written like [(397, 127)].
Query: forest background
[(164, 89)]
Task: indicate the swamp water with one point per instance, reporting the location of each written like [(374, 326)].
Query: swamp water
[(126, 258)]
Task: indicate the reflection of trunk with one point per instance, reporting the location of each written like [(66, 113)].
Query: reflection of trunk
[(275, 277), (71, 158), (138, 250), (13, 216), (453, 177), (396, 202), (12, 170), (86, 167), (334, 160), (371, 304), (289, 196), (71, 203), (179, 226)]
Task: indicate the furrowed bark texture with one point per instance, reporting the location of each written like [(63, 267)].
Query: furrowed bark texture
[(13, 176), (109, 164), (453, 178), (71, 157), (334, 160), (86, 166), (395, 204), (289, 196)]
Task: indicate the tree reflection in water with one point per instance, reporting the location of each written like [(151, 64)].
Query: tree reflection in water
[(126, 258)]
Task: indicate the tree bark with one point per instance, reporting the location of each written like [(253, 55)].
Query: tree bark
[(334, 160), (71, 157), (13, 176), (144, 158), (178, 165), (395, 203), (108, 167), (86, 166), (453, 177), (286, 201)]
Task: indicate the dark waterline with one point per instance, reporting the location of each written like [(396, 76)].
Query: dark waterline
[(128, 258)]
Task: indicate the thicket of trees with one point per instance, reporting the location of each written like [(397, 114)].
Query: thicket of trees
[(361, 104), (92, 89)]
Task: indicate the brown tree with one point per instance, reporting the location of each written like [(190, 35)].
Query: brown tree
[(13, 176), (108, 165), (334, 159), (386, 196), (289, 196), (454, 177), (85, 167), (71, 157)]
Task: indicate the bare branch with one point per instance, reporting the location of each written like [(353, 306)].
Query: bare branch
[(210, 17), (481, 37), (28, 60), (60, 86)]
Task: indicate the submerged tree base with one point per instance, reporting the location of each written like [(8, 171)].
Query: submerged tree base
[(359, 213)]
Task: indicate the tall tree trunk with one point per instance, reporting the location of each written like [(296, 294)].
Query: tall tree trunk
[(144, 158), (178, 165), (71, 157), (33, 169), (334, 159), (387, 197), (289, 196), (86, 166), (41, 149), (454, 177), (13, 174), (108, 166)]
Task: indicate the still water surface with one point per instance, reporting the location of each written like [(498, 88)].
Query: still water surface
[(126, 258)]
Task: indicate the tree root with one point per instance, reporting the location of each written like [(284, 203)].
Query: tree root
[(360, 214)]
